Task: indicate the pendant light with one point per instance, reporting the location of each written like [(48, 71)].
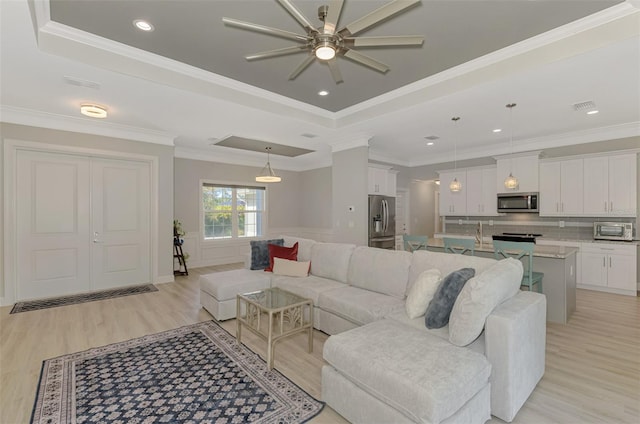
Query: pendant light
[(267, 175), (455, 185), (511, 182)]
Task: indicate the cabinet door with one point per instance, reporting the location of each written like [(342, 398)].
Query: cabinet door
[(489, 194), (550, 200), (452, 204), (622, 185), (596, 186), (377, 180), (474, 191), (621, 272), (571, 187), (524, 168), (594, 269)]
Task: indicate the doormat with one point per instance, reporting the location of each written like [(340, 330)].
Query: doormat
[(193, 374), (54, 302)]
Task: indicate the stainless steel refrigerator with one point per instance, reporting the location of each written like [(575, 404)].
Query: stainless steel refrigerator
[(382, 221)]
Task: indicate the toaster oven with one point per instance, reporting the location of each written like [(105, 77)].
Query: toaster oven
[(613, 231)]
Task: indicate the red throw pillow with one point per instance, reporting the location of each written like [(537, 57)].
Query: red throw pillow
[(275, 251)]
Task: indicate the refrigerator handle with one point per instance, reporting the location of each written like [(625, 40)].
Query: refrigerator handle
[(385, 214)]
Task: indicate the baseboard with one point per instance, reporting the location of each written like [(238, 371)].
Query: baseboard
[(162, 279)]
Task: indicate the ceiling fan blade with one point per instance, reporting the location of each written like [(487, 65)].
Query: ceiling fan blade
[(297, 15), (366, 61), (277, 52), (378, 15), (335, 70), (390, 40), (301, 67), (266, 30), (333, 15)]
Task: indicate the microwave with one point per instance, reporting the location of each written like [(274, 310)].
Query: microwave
[(613, 231), (517, 202)]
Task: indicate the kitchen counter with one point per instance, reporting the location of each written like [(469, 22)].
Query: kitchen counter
[(558, 263)]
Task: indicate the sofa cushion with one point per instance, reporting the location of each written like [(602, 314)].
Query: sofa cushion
[(423, 260), (422, 292), (291, 268), (260, 252), (358, 305), (380, 270), (424, 377), (480, 296), (308, 287), (283, 252), (440, 307), (304, 246), (331, 260)]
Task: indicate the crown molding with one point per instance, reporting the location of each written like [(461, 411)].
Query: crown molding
[(34, 118)]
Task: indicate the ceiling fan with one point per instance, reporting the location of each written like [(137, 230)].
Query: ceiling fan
[(326, 43)]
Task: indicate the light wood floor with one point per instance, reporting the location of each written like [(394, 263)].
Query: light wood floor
[(592, 373)]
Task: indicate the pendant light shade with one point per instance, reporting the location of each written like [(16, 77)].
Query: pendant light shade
[(511, 182), (455, 185), (267, 175)]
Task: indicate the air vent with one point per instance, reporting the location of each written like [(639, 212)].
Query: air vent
[(309, 135), (81, 83), (582, 106), (432, 137)]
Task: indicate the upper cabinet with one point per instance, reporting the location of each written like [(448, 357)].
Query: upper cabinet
[(523, 167), (610, 185), (476, 198), (561, 188), (382, 181)]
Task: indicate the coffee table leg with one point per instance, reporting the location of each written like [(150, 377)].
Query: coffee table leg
[(238, 323), (310, 328), (270, 343)]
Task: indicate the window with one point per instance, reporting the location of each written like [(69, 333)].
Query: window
[(231, 211)]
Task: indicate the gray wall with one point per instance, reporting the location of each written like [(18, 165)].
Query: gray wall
[(282, 198), (422, 197), (315, 199), (165, 174), (350, 187)]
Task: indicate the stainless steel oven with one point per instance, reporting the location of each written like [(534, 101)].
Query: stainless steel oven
[(517, 202), (613, 231)]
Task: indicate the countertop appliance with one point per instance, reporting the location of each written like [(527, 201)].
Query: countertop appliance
[(521, 237), (517, 202), (382, 221), (613, 231)]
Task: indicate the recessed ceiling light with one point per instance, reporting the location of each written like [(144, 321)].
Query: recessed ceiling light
[(430, 143), (143, 25), (497, 130), (93, 110), (592, 112), (323, 93)]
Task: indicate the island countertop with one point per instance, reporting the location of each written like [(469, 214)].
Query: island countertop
[(542, 251)]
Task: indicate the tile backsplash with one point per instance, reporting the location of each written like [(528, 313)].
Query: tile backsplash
[(552, 227)]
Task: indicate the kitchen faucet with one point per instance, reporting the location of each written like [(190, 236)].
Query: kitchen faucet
[(479, 233)]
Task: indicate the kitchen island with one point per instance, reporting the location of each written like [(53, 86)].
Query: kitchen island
[(558, 263)]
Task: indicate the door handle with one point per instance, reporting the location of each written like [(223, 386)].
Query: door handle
[(609, 261)]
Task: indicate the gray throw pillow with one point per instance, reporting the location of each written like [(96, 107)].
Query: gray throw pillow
[(439, 309), (260, 252)]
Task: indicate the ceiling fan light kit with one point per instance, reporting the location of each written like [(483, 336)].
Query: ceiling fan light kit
[(326, 43)]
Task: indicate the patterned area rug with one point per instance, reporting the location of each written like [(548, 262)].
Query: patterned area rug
[(193, 374), (54, 302)]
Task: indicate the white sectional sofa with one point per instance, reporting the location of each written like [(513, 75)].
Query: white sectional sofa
[(383, 367)]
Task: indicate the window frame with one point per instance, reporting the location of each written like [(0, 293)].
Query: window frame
[(234, 218)]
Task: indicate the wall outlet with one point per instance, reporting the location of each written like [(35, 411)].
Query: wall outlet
[(459, 222), (561, 224), (491, 223)]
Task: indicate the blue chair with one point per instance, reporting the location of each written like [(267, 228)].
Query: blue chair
[(413, 243), (459, 245), (519, 250)]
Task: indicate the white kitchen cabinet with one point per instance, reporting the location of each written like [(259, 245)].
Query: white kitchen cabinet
[(481, 192), (609, 267), (382, 181), (561, 188), (453, 204), (610, 185), (524, 168)]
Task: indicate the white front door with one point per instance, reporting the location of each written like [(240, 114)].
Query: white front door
[(82, 224), (120, 230), (53, 246)]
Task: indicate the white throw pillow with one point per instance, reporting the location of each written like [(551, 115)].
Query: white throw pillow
[(421, 292), (290, 268), (480, 296)]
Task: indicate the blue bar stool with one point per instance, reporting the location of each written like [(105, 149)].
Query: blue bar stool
[(459, 245), (518, 250)]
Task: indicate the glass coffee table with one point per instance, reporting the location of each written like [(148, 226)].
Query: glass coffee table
[(273, 314)]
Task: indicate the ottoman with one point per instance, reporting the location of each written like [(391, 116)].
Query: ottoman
[(386, 371), (218, 290)]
